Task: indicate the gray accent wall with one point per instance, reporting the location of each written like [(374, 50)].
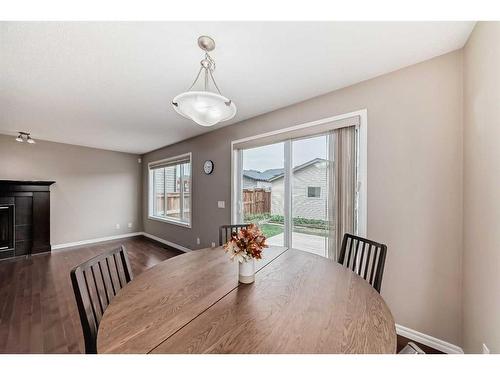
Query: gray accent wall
[(94, 190), (415, 179)]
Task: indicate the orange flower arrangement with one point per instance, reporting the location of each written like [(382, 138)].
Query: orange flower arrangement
[(246, 244)]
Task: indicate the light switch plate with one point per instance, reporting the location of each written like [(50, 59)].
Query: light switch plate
[(221, 204)]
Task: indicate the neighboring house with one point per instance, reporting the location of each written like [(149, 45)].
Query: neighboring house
[(167, 181), (309, 188), (309, 191), (253, 179)]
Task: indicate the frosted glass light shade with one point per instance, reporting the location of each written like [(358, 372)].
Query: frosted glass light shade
[(204, 107)]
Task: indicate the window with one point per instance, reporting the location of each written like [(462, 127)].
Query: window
[(313, 192), (170, 190)]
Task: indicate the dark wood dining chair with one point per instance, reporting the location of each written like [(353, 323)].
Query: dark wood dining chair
[(364, 257), (225, 231), (95, 283)]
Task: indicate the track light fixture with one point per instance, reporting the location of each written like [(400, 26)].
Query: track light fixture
[(23, 136)]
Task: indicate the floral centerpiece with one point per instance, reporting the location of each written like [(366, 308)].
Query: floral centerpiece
[(245, 246)]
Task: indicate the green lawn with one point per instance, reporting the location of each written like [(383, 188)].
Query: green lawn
[(271, 230)]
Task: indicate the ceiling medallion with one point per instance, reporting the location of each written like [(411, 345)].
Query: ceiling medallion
[(205, 107)]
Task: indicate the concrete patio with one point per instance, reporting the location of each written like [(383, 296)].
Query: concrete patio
[(306, 242)]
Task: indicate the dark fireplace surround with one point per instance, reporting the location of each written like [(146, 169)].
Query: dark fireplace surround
[(24, 217)]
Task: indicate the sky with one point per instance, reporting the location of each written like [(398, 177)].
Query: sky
[(272, 156)]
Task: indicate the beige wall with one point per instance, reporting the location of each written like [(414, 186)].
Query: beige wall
[(94, 189), (414, 184), (481, 287)]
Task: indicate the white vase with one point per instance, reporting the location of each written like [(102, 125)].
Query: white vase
[(247, 272)]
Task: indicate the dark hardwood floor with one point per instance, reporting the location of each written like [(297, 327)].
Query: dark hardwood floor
[(38, 312)]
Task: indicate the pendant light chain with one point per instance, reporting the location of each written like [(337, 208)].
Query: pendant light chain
[(196, 79), (207, 65), (215, 83)]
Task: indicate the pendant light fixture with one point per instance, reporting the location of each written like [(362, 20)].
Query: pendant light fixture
[(23, 136), (205, 107)]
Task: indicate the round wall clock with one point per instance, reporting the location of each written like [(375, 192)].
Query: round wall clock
[(208, 166)]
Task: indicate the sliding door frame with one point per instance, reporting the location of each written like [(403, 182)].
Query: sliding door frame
[(287, 194), (362, 170)]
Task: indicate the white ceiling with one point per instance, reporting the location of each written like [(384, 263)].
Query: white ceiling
[(109, 84)]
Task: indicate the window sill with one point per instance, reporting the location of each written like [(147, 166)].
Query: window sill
[(170, 221)]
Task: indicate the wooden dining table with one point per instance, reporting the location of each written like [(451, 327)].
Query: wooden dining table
[(299, 303)]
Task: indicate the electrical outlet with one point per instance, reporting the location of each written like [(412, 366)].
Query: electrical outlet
[(198, 240), (130, 225), (486, 350), (117, 226), (221, 204), (213, 244)]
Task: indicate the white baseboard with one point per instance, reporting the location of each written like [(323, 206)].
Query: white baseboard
[(430, 341), (117, 237), (95, 240), (171, 244)]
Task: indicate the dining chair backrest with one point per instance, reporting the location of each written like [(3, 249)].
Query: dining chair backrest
[(225, 232), (95, 283), (364, 257)]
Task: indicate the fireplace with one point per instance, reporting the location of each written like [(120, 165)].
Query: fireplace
[(6, 227), (24, 218)]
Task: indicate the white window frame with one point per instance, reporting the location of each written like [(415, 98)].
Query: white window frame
[(181, 203), (362, 174)]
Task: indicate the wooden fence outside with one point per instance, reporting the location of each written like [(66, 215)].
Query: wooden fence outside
[(256, 201), (173, 207)]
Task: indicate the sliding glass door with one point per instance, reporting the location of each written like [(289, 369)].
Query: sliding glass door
[(262, 190), (302, 191), (309, 186)]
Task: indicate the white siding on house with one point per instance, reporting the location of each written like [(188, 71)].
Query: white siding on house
[(277, 194), (264, 185), (170, 179), (250, 183), (314, 175), (159, 181), (160, 176)]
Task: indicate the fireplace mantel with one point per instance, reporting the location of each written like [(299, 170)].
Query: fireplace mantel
[(27, 182), (15, 185), (31, 218)]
